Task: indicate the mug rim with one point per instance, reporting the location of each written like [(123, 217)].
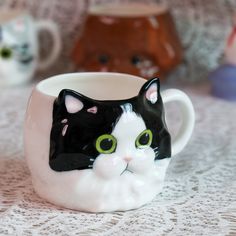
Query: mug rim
[(54, 84), (105, 9)]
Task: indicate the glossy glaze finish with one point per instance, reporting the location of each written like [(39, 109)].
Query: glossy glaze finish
[(75, 131), (130, 168)]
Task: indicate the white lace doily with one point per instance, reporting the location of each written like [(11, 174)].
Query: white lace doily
[(199, 197)]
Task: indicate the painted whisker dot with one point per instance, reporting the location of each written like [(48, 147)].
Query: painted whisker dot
[(64, 130), (64, 121)]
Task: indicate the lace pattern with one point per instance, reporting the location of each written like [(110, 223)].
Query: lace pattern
[(199, 197)]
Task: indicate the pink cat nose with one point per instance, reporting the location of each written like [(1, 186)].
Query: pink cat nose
[(128, 159)]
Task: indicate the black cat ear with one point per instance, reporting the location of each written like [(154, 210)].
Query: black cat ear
[(151, 90), (75, 102), (71, 100)]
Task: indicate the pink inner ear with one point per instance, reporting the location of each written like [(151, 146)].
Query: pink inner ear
[(73, 104), (151, 93), (93, 110)]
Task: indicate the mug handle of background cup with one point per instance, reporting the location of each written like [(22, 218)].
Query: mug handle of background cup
[(52, 29), (188, 118)]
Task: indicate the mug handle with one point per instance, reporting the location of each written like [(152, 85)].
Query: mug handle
[(188, 118), (52, 29)]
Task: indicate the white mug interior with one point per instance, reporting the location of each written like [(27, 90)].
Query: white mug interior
[(96, 85)]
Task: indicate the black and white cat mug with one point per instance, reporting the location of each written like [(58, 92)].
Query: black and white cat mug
[(98, 142)]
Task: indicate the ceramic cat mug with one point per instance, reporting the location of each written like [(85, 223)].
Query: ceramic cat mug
[(98, 142), (19, 46)]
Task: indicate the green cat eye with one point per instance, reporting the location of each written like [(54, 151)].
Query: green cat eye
[(5, 53), (106, 144), (144, 139)]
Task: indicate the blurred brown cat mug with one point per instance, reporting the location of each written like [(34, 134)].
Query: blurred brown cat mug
[(134, 38)]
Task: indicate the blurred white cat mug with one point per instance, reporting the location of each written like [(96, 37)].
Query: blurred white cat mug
[(19, 46), (98, 142)]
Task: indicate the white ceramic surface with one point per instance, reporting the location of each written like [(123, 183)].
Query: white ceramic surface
[(86, 190)]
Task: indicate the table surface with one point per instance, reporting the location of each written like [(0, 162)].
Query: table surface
[(199, 197)]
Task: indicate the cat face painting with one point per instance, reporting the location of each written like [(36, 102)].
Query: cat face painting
[(17, 60), (119, 149), (109, 137)]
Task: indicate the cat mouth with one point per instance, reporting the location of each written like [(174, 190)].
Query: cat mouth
[(126, 170), (26, 60)]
